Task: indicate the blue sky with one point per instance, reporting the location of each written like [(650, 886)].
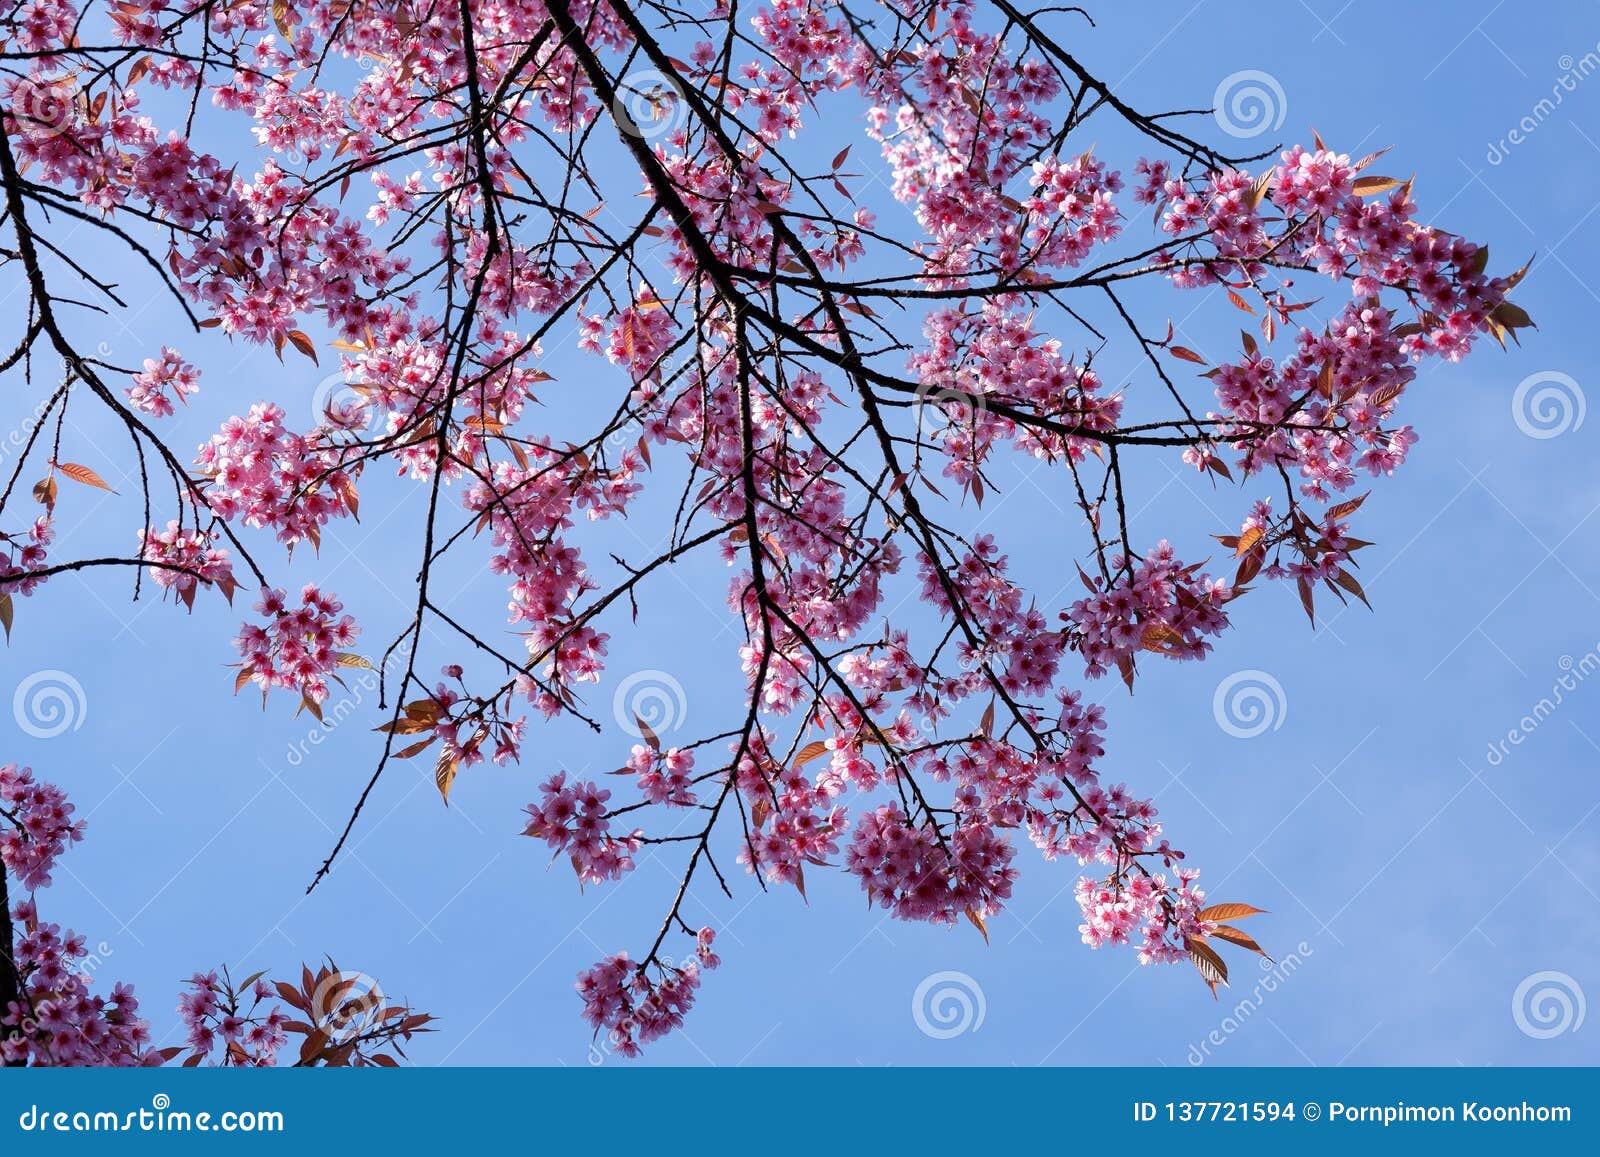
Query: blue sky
[(1415, 881)]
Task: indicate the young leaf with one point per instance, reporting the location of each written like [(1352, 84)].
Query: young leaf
[(304, 344), (83, 476), (813, 750), (978, 922), (1233, 936), (1219, 912), (444, 774), (1206, 961), (1371, 186)]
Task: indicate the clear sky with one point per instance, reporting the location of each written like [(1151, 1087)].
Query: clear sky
[(1416, 875)]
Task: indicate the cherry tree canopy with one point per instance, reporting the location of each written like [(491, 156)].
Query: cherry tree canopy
[(822, 382)]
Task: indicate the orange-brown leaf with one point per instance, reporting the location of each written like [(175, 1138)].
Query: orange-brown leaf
[(813, 750), (1211, 967), (1220, 912), (978, 922), (1371, 186), (1233, 936), (304, 344), (83, 475), (444, 774)]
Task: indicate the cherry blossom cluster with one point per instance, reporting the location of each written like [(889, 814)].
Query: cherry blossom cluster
[(343, 1020), (573, 818), (55, 1019), (1070, 210), (1146, 911), (1161, 605), (24, 553), (982, 370), (250, 1027), (663, 776), (162, 381), (463, 725), (640, 335), (795, 821), (526, 508), (909, 871), (244, 258), (296, 648), (631, 1008), (1331, 401), (36, 825), (952, 154), (271, 478), (188, 557), (58, 1021)]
